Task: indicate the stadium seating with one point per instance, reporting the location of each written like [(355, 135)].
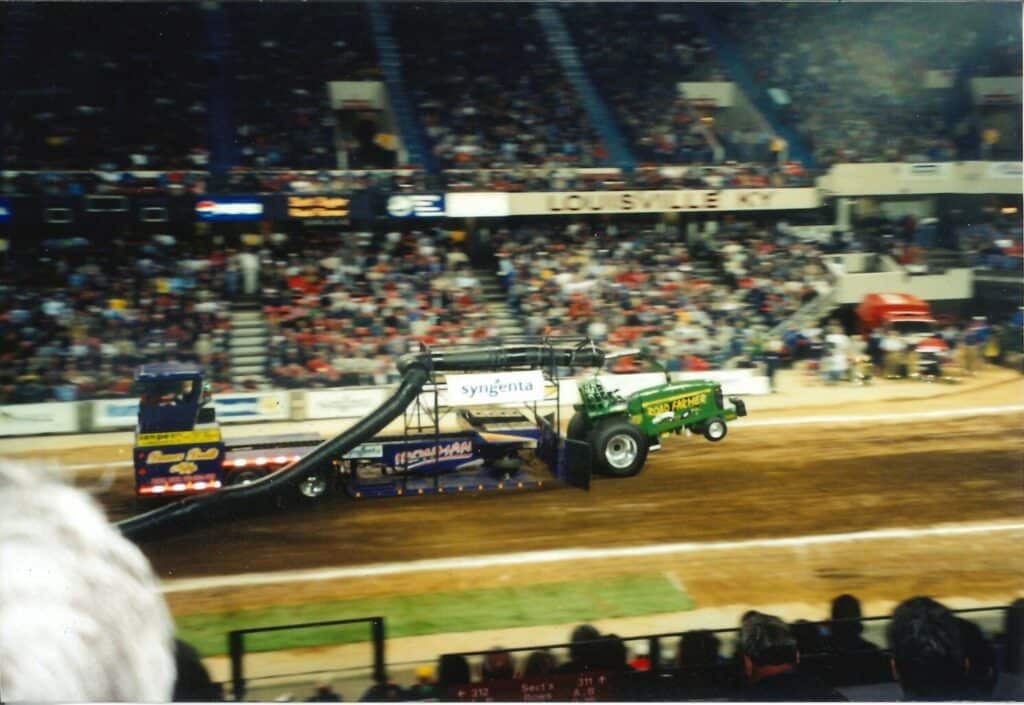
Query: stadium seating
[(488, 89)]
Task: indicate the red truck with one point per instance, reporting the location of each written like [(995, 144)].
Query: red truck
[(910, 317)]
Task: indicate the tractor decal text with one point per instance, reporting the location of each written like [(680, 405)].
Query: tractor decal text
[(202, 453), (687, 401), (156, 457), (452, 450), (185, 468), (205, 435)]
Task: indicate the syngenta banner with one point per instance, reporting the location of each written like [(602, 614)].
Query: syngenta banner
[(496, 388)]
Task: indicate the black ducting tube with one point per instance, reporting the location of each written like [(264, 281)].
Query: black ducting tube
[(504, 357), (416, 370)]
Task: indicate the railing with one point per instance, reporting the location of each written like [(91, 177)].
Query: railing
[(236, 648)]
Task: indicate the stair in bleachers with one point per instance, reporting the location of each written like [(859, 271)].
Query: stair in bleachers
[(398, 97), (248, 345), (744, 79), (506, 320), (557, 37)]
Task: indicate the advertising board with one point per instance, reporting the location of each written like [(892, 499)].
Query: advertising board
[(495, 388), (423, 205), (228, 208), (346, 403), (35, 419), (692, 200)]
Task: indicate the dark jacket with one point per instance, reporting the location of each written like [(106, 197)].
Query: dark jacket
[(790, 687)]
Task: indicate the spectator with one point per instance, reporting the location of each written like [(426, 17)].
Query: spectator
[(584, 650), (452, 670), (497, 665), (698, 661), (860, 660), (539, 663), (927, 648), (1010, 685), (81, 615), (982, 669), (324, 693), (193, 683), (770, 658)]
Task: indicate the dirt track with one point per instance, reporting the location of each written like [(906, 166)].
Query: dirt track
[(761, 482)]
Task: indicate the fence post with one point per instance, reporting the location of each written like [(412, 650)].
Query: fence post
[(377, 629), (237, 651)]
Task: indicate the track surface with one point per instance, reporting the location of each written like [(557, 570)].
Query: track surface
[(760, 482)]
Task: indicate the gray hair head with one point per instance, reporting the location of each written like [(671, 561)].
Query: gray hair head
[(81, 614)]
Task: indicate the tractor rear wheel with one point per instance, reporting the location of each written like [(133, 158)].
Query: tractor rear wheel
[(619, 448), (579, 427)]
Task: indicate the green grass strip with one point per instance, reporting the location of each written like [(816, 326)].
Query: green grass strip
[(440, 612)]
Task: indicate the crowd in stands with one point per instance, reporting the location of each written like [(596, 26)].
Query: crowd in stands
[(283, 55), (103, 98), (855, 75), (995, 247), (492, 94), (930, 653), (696, 305), (248, 88), (77, 317), (341, 312), (636, 54)]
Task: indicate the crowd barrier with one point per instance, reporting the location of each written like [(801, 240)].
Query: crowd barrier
[(104, 415)]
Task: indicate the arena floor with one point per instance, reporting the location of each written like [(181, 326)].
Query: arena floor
[(901, 490)]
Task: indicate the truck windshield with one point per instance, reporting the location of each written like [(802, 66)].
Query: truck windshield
[(913, 327), (169, 392)]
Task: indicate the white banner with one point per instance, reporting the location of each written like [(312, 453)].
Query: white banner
[(344, 403), (939, 79), (357, 95), (892, 178), (495, 388), (733, 381), (34, 419), (996, 90), (476, 205), (114, 413), (708, 94), (726, 200), (1005, 170), (940, 170), (231, 408), (256, 406)]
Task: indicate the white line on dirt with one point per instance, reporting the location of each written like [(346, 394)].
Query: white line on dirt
[(905, 416), (573, 554), (676, 582)]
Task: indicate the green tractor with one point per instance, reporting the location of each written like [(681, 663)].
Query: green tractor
[(622, 430)]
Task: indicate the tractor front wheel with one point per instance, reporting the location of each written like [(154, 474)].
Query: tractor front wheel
[(619, 448), (715, 429)]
